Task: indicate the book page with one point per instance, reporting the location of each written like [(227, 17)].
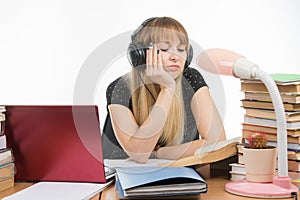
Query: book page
[(114, 163), (209, 154), (217, 146)]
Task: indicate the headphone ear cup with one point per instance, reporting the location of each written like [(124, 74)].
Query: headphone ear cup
[(136, 54), (189, 57)]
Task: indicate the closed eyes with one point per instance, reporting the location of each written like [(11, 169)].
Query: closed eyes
[(167, 49)]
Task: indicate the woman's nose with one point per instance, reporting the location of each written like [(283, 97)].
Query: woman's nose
[(173, 56)]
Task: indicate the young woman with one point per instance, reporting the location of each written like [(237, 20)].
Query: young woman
[(162, 108)]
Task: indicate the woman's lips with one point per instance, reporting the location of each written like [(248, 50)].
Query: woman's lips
[(173, 67)]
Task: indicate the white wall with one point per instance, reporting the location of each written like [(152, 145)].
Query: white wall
[(44, 44)]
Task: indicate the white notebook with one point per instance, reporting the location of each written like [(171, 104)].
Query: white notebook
[(3, 142), (59, 190)]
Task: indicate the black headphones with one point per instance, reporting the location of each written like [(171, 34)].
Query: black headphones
[(136, 52)]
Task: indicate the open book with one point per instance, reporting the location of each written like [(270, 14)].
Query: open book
[(209, 154)]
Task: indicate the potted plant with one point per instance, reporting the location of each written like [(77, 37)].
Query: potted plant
[(260, 159)]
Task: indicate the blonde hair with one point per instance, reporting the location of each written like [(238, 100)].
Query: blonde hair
[(145, 92)]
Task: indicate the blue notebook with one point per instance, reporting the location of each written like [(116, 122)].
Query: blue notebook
[(158, 181)]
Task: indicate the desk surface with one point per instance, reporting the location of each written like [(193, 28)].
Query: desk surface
[(215, 191), (17, 187)]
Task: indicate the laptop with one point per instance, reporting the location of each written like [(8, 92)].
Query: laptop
[(55, 143)]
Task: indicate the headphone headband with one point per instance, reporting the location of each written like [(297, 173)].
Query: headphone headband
[(141, 27)]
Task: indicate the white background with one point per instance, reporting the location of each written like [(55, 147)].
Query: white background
[(43, 44)]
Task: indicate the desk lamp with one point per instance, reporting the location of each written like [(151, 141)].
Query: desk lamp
[(225, 62)]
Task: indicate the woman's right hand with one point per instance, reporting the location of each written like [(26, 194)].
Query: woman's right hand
[(155, 70)]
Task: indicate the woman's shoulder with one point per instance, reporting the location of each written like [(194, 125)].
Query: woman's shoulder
[(194, 78), (120, 82), (190, 72), (118, 90)]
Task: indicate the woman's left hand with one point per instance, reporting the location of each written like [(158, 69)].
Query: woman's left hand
[(155, 70)]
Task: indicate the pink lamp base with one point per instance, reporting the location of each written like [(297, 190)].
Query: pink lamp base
[(259, 190)]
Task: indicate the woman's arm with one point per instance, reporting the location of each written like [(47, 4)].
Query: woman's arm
[(139, 141), (209, 124)]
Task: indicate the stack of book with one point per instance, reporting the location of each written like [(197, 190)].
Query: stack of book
[(7, 166), (260, 115), (237, 170)]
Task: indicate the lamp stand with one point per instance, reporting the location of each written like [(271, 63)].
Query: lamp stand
[(263, 190)]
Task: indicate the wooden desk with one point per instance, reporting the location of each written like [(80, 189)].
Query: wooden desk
[(215, 191), (215, 177), (17, 187)]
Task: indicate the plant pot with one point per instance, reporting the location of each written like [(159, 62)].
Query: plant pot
[(260, 164)]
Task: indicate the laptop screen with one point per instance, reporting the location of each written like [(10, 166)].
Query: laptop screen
[(55, 143)]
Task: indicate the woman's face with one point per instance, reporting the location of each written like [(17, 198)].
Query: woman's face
[(174, 55)]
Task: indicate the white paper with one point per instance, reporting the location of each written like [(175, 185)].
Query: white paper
[(59, 190), (114, 163), (3, 142)]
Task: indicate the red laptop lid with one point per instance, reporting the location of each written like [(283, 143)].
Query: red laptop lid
[(55, 143)]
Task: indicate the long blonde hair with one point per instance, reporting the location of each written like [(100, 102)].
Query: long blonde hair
[(145, 92)]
